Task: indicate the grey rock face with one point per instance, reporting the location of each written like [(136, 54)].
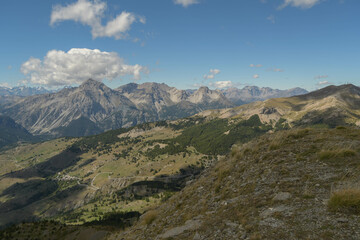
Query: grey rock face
[(95, 103), (41, 114), (189, 225)]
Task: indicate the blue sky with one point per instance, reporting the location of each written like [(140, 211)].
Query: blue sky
[(184, 43)]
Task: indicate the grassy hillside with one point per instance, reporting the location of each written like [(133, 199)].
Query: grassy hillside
[(296, 184), (81, 180)]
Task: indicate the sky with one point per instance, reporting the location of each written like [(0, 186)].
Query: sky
[(183, 43)]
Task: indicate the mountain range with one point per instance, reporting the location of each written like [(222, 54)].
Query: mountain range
[(23, 91), (250, 94), (93, 107), (329, 106), (247, 169)]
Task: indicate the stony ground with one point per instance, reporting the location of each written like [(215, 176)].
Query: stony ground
[(276, 187)]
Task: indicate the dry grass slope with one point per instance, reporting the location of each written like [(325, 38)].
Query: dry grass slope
[(264, 192)]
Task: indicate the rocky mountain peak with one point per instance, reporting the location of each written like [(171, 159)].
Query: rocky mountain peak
[(204, 89), (91, 84), (205, 95)]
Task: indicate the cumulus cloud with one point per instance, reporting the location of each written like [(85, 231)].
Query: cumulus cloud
[(222, 84), (321, 76), (186, 3), (60, 68), (304, 4), (90, 13), (255, 65), (256, 76), (212, 73)]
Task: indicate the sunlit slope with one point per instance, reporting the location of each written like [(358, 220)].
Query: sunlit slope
[(80, 180), (333, 105), (294, 184)]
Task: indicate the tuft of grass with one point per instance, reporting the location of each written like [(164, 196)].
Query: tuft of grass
[(345, 200), (299, 133), (150, 217), (336, 153)]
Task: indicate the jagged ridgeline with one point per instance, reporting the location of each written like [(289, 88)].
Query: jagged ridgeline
[(116, 176), (93, 108)]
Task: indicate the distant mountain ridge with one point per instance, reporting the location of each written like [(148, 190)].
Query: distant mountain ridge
[(329, 106), (23, 91), (253, 93), (98, 108)]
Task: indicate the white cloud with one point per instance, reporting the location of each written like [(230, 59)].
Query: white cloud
[(256, 76), (186, 3), (322, 83), (206, 76), (60, 68), (255, 65), (275, 70), (300, 3), (222, 84), (212, 73), (90, 12), (321, 76), (271, 18)]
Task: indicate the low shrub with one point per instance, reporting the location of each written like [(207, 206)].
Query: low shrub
[(150, 217), (345, 200)]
